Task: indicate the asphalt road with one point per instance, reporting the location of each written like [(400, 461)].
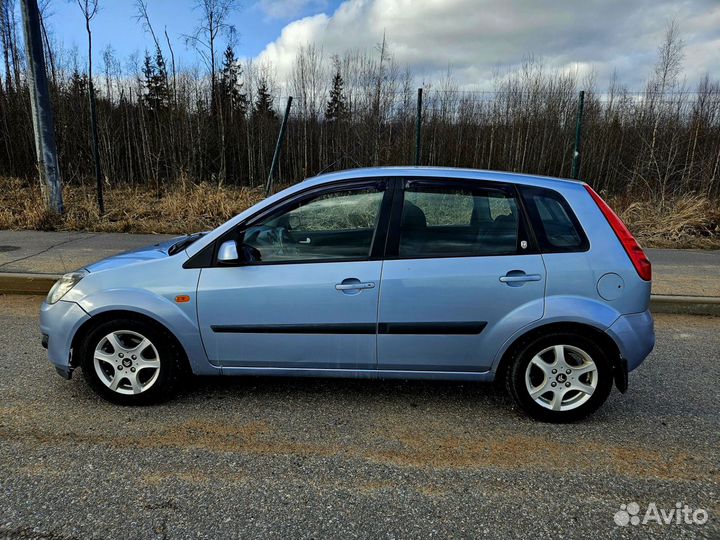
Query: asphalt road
[(281, 458), (59, 252)]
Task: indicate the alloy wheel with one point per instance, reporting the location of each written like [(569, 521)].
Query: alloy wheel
[(561, 377), (126, 362)]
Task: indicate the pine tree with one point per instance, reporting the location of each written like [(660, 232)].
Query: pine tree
[(157, 92), (148, 71), (264, 102), (336, 108), (78, 85), (230, 85)]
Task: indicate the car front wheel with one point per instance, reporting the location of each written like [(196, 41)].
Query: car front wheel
[(560, 377), (130, 362)]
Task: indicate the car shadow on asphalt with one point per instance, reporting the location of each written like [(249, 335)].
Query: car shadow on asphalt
[(392, 389)]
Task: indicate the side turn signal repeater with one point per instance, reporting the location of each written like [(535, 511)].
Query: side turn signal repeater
[(181, 299)]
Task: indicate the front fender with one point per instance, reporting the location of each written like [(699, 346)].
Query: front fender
[(568, 309), (182, 324)]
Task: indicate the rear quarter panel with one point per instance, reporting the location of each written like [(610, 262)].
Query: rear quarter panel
[(578, 274)]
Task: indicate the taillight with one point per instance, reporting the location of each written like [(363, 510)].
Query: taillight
[(631, 246)]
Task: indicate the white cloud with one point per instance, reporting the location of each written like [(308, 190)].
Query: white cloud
[(474, 37), (287, 9)]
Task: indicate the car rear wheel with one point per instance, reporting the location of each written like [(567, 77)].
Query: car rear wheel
[(130, 362), (560, 377)]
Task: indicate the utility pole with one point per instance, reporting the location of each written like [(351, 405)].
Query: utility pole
[(42, 114)]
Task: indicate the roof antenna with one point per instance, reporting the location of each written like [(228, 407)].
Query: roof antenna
[(337, 161)]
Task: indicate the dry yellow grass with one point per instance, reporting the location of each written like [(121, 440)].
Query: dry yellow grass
[(184, 208), (690, 221)]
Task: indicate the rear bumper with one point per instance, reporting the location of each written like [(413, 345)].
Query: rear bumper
[(634, 335), (58, 324)]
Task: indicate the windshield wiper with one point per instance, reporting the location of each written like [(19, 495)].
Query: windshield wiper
[(184, 243)]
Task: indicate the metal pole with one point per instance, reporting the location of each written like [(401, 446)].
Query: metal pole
[(278, 146), (418, 128), (42, 114), (578, 137)]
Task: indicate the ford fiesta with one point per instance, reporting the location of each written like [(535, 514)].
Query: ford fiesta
[(380, 273)]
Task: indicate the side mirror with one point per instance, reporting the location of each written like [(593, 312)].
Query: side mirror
[(228, 252)]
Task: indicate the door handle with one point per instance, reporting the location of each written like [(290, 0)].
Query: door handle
[(519, 278), (306, 241), (354, 286)]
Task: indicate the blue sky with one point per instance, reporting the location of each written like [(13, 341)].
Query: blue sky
[(474, 39), (258, 22)]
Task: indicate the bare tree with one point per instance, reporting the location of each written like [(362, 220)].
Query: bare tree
[(667, 70), (213, 23), (670, 57), (6, 35), (89, 9), (143, 18), (174, 72)]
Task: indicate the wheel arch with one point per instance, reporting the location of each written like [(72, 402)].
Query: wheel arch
[(584, 329), (105, 316), (179, 320)]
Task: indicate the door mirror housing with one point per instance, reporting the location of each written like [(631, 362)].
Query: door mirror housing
[(235, 252), (228, 252)]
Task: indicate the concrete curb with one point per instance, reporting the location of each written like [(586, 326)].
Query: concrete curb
[(21, 283), (690, 305)]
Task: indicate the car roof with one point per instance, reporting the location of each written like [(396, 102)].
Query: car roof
[(439, 172)]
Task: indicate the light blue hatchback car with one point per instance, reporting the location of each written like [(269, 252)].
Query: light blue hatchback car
[(381, 273)]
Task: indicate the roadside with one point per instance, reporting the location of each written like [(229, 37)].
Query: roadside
[(688, 221), (311, 458), (684, 281)]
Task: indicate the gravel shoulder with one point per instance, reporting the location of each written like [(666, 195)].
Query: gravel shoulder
[(306, 458)]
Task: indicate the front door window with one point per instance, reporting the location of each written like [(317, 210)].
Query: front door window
[(333, 226)]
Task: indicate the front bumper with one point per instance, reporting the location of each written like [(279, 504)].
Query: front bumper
[(59, 322), (634, 335)]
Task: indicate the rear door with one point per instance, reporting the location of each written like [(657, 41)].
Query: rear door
[(460, 271)]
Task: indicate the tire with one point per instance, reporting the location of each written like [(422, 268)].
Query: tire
[(579, 385), (122, 368)]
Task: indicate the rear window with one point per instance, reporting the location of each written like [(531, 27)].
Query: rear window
[(556, 227)]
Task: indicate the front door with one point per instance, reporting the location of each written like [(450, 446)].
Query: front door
[(460, 275), (310, 297)]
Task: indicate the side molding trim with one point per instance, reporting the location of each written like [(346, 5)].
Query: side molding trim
[(466, 328)]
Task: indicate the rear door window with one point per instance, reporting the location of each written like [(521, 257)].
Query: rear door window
[(457, 221), (556, 228)]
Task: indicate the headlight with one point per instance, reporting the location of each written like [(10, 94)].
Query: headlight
[(64, 284)]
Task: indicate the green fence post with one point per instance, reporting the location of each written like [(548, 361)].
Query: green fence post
[(418, 128), (578, 137), (278, 146)]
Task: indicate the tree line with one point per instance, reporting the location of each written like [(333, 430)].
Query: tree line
[(162, 122)]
